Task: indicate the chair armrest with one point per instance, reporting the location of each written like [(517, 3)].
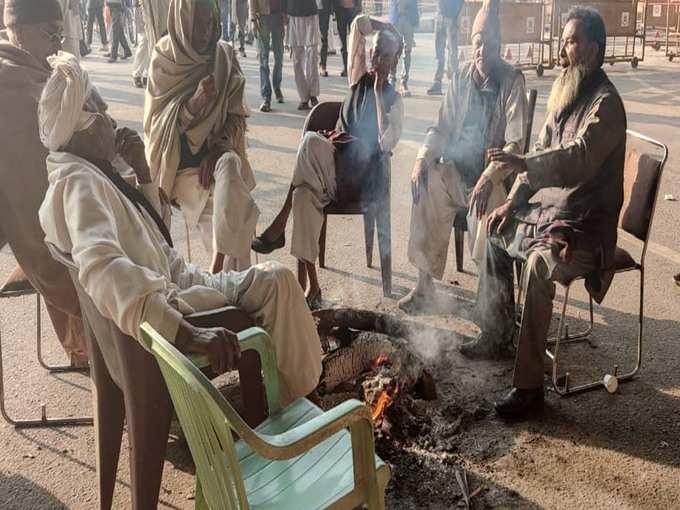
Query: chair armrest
[(257, 339), (350, 414)]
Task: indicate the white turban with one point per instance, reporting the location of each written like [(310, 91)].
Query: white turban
[(60, 111)]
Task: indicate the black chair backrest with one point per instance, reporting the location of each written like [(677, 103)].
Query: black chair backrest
[(323, 116), (642, 176)]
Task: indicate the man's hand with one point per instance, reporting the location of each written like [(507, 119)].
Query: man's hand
[(130, 147), (499, 218), (204, 95), (219, 344), (480, 196), (207, 168), (507, 161), (418, 179)]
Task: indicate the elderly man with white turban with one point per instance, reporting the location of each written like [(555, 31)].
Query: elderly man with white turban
[(126, 263)]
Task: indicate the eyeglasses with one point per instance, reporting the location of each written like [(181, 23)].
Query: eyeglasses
[(55, 37)]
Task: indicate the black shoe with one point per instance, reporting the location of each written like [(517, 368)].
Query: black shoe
[(266, 106), (279, 95), (304, 105), (344, 73), (242, 52), (126, 55), (112, 60), (484, 347), (519, 403), (138, 82), (435, 90), (313, 101), (264, 247), (145, 81)]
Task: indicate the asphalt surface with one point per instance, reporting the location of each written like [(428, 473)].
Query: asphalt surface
[(594, 451)]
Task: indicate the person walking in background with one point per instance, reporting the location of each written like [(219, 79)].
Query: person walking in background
[(72, 27), (325, 11), (225, 21), (95, 12), (140, 65), (268, 20), (240, 15), (405, 17), (445, 34), (117, 31), (304, 37), (345, 11)]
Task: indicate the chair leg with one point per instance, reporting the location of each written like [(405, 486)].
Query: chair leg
[(148, 410), (43, 421), (384, 224), (109, 411), (186, 227), (458, 240), (252, 389), (369, 235), (322, 243)]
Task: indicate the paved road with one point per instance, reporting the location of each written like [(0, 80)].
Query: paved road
[(47, 469)]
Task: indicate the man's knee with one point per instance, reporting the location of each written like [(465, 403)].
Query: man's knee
[(229, 163)]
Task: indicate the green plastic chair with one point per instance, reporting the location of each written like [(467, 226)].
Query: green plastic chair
[(299, 458)]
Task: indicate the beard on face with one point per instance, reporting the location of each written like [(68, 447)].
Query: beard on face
[(566, 88)]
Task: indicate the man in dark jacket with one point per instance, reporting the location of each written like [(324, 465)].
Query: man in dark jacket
[(405, 17), (562, 213)]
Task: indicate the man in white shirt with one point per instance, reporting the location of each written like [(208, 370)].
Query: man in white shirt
[(123, 250), (341, 163)]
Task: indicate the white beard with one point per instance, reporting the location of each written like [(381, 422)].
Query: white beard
[(566, 88)]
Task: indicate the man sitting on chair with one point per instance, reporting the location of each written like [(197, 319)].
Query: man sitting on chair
[(485, 107), (561, 215), (340, 164), (195, 126), (123, 250)]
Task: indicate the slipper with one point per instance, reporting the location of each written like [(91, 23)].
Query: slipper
[(259, 244)]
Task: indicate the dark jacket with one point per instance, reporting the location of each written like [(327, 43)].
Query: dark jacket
[(301, 7), (575, 175), (450, 8)]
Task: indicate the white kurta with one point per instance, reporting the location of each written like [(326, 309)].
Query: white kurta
[(314, 175), (133, 276), (304, 37)]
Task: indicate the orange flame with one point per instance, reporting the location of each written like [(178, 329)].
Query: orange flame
[(381, 360), (383, 401)]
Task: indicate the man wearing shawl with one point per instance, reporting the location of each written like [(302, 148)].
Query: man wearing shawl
[(344, 162), (34, 32), (123, 250), (561, 215), (195, 126), (484, 107)]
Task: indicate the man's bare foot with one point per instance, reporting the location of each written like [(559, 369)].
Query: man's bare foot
[(416, 301)]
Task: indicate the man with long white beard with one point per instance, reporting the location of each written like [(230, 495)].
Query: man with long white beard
[(123, 250), (485, 107), (561, 215)]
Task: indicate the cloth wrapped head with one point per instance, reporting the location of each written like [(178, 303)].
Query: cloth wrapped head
[(488, 21), (31, 12), (60, 110)]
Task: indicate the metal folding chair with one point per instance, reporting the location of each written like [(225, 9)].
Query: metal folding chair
[(44, 420), (643, 170)]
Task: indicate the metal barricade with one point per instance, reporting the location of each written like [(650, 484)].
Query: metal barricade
[(526, 33), (625, 27)]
